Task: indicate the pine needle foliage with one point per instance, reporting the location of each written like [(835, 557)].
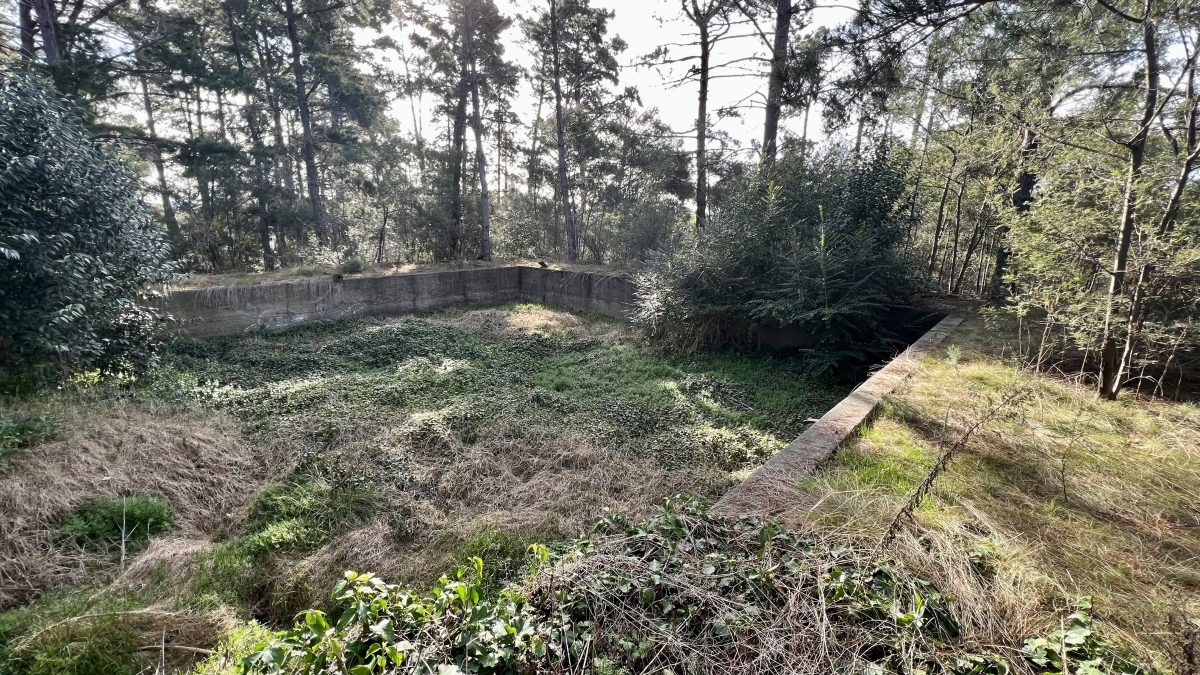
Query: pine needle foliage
[(812, 247)]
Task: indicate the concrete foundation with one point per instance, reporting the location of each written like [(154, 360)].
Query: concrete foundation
[(228, 310), (779, 484)]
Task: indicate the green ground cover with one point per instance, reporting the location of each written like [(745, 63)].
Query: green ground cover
[(402, 446)]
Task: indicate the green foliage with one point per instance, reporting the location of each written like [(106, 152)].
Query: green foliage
[(444, 386), (303, 511), (107, 523), (234, 648), (354, 265), (638, 594), (505, 556), (1077, 647), (48, 637), (19, 433), (812, 248), (78, 251)]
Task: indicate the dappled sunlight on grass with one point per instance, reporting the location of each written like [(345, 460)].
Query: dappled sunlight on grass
[(1101, 497)]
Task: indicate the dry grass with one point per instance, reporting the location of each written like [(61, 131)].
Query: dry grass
[(195, 460), (536, 482), (1067, 495), (530, 319)]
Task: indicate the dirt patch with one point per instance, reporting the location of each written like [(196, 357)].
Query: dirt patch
[(196, 460)]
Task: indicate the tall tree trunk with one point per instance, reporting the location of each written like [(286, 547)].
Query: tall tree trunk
[(1111, 374), (457, 142), (702, 124), (256, 139), (783, 22), (570, 226), (1022, 199), (485, 212), (172, 223), (941, 217), (1166, 223), (47, 20), (27, 24), (308, 146)]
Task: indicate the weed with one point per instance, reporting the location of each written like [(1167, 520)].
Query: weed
[(505, 556), (20, 433), (679, 591), (118, 523), (354, 265)]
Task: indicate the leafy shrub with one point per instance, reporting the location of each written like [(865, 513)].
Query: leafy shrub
[(20, 433), (680, 590), (78, 251), (354, 265), (1084, 650), (107, 522), (812, 247)]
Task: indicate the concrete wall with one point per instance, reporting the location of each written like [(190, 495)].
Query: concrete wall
[(228, 310)]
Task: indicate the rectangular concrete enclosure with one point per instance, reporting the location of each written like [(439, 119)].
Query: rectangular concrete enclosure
[(226, 310)]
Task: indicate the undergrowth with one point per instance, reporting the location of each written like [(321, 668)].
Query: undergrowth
[(679, 592), (117, 523), (1066, 495), (318, 381)]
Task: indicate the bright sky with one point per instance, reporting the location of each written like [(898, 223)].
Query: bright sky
[(646, 25)]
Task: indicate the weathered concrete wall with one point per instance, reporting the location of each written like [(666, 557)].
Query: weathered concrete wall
[(228, 310), (778, 484)]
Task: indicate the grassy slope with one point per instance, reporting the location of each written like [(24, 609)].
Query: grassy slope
[(404, 446), (1062, 495)]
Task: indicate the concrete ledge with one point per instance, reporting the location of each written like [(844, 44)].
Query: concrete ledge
[(776, 485), (227, 310)]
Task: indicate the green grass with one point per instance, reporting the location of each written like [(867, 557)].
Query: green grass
[(1072, 495), (108, 523), (321, 382), (17, 434), (409, 446)]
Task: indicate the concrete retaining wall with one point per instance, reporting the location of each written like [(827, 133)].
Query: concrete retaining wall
[(778, 484), (229, 310)]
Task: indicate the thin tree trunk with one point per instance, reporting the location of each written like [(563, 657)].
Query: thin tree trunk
[(570, 226), (458, 135), (957, 231), (783, 22), (172, 223), (702, 124), (1166, 223), (47, 20), (981, 223), (382, 235), (256, 140), (485, 214), (941, 217), (1110, 367), (27, 24), (308, 146)]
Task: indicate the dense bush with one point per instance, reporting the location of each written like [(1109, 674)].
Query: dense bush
[(812, 247), (78, 251)]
